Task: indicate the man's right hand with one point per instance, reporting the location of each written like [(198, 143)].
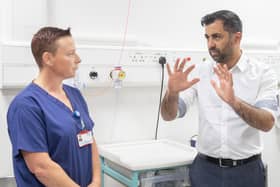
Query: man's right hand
[(178, 79)]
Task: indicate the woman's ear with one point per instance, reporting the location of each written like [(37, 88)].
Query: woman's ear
[(47, 59)]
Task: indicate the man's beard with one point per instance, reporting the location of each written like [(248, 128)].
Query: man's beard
[(219, 57)]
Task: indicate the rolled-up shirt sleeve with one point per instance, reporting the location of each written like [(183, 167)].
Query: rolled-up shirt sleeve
[(268, 96), (185, 100)]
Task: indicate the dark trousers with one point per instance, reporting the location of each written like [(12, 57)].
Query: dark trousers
[(206, 174)]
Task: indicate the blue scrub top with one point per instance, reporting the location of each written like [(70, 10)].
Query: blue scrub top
[(38, 122)]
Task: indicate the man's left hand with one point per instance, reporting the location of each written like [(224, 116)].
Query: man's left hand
[(225, 88)]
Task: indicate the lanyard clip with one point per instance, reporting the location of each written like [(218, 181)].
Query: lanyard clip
[(77, 115)]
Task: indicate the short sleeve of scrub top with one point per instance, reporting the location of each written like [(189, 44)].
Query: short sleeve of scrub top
[(33, 138)]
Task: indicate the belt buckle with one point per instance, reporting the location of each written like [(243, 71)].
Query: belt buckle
[(234, 163), (221, 163)]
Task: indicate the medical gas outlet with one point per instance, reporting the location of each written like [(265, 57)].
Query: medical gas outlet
[(93, 74), (117, 75)]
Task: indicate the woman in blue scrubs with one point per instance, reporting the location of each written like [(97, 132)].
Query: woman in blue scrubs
[(49, 123)]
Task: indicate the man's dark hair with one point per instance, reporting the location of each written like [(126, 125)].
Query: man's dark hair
[(45, 41), (231, 21)]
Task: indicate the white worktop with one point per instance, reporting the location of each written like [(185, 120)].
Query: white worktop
[(150, 154)]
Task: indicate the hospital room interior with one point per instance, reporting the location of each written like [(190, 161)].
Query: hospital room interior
[(121, 44)]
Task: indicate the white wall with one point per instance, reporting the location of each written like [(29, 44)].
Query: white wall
[(130, 113), (169, 23)]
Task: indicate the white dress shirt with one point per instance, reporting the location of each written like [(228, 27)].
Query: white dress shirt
[(222, 133)]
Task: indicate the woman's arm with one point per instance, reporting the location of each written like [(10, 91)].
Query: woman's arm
[(96, 178), (46, 170)]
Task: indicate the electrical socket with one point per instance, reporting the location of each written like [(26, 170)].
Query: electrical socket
[(144, 57)]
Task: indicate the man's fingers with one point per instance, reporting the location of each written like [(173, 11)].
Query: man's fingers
[(176, 64), (168, 69), (219, 72), (193, 81), (189, 69), (182, 65), (214, 85)]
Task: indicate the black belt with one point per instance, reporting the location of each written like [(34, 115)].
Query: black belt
[(224, 162)]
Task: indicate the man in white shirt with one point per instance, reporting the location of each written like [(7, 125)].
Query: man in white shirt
[(237, 98)]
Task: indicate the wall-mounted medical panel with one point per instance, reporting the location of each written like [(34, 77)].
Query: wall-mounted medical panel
[(140, 65)]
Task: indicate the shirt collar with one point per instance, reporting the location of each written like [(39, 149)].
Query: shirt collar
[(242, 63)]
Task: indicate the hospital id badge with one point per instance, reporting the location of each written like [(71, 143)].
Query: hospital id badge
[(85, 138)]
